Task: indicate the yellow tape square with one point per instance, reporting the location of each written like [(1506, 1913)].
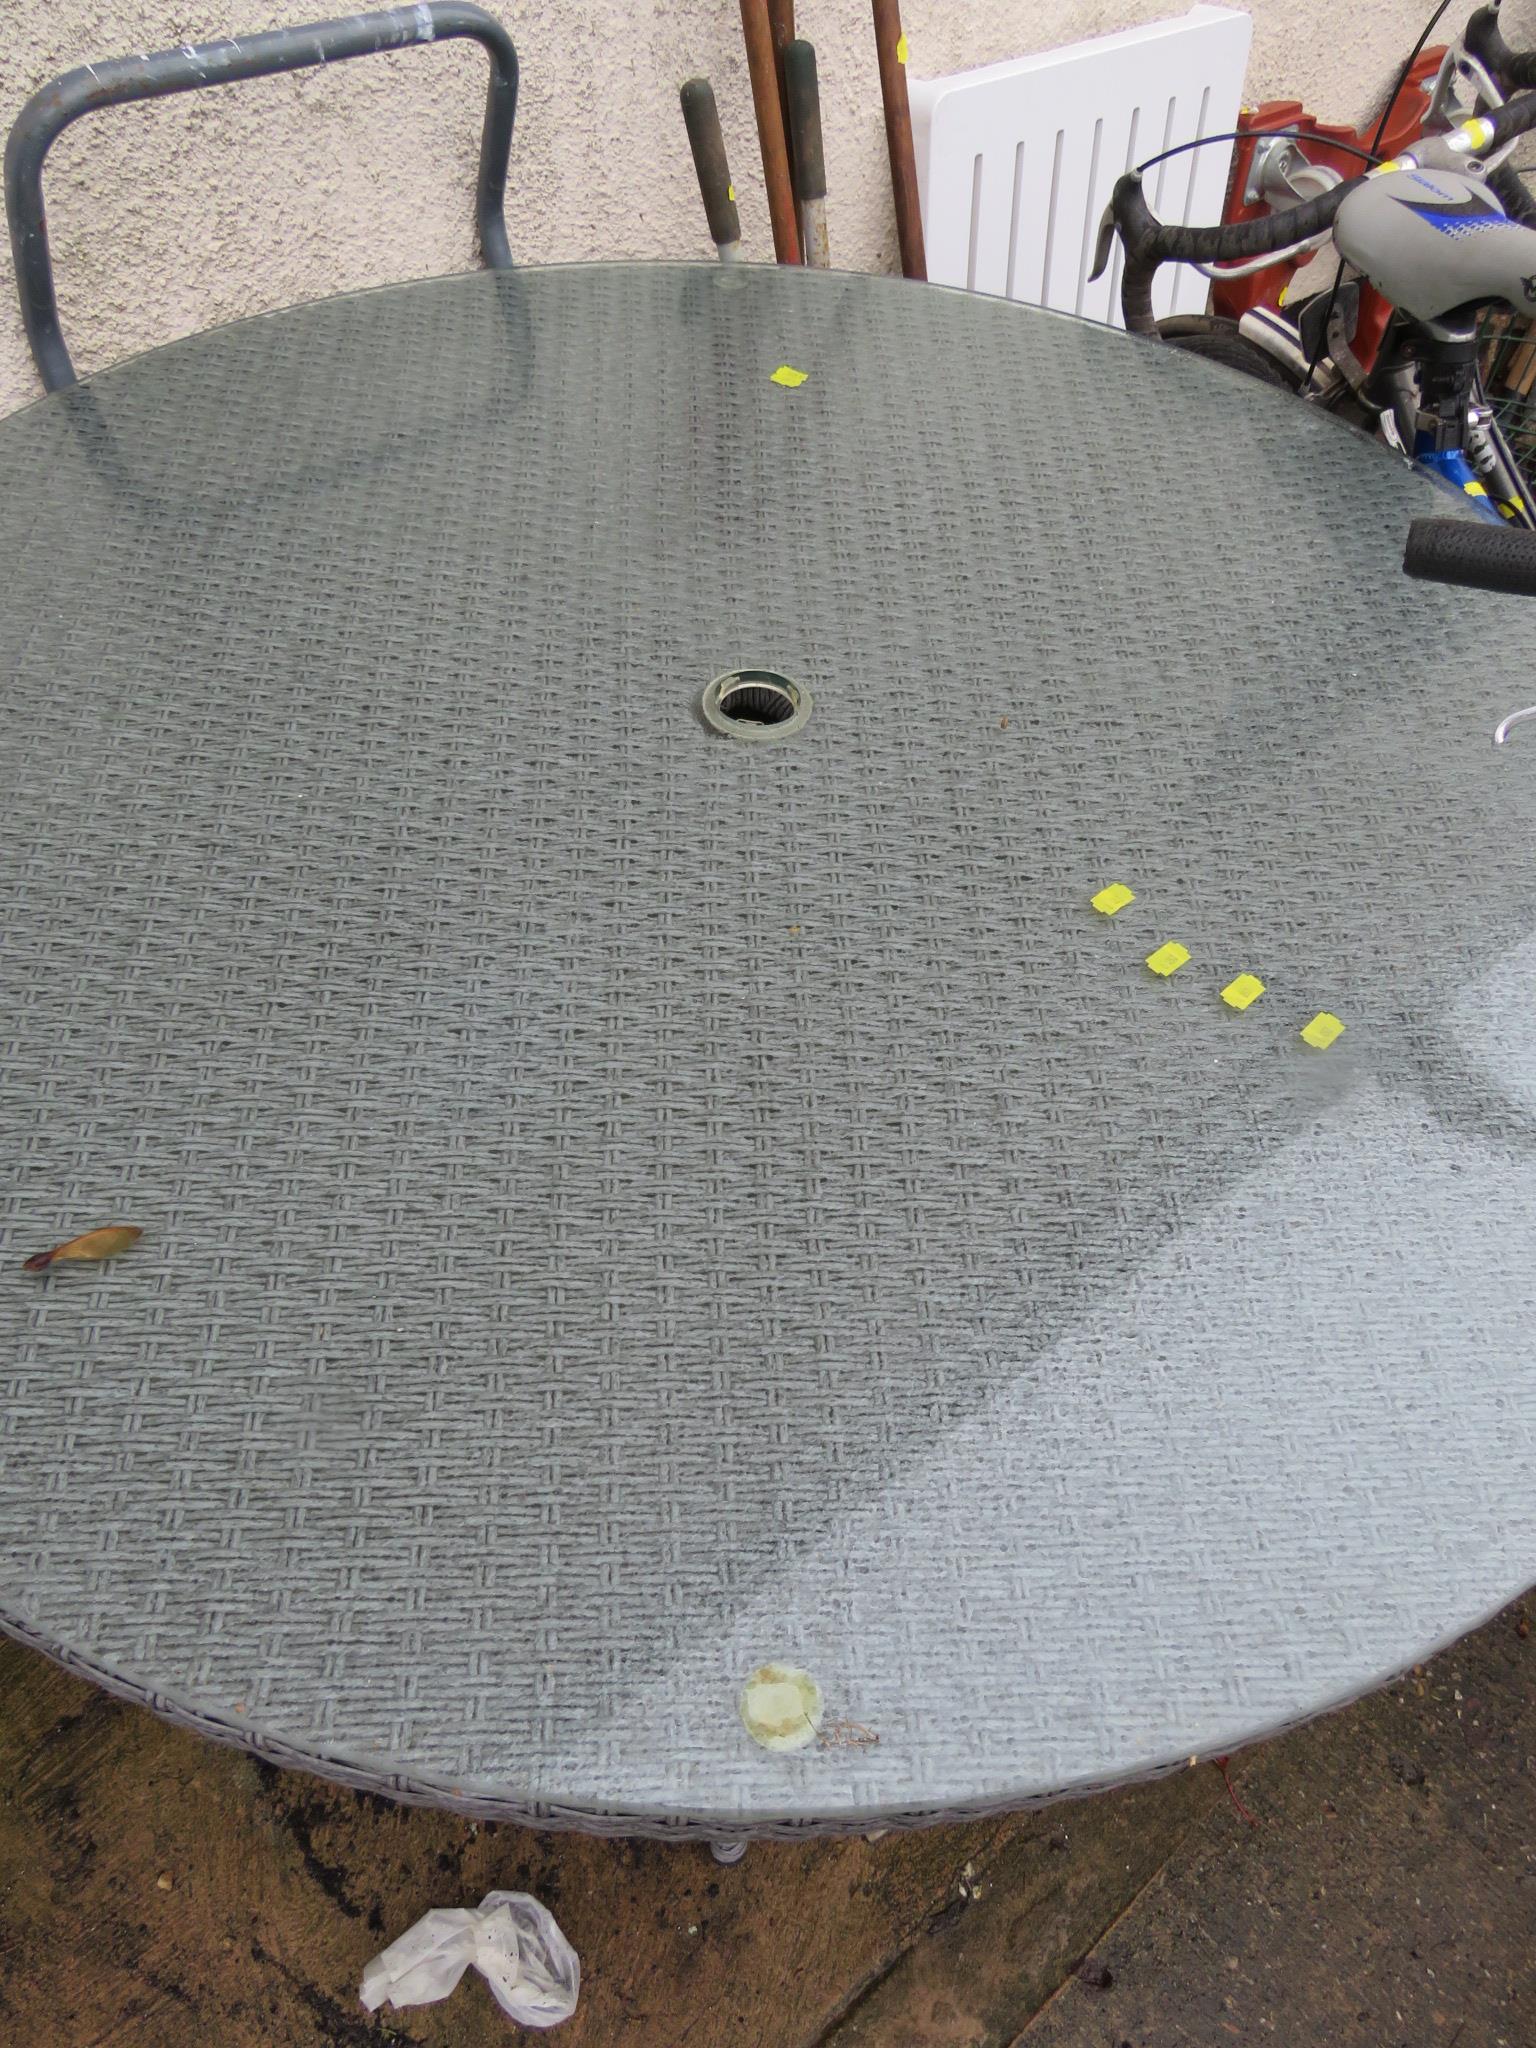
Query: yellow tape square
[(1247, 988), (788, 376), (903, 49), (1168, 958), (1323, 1030), (1113, 898)]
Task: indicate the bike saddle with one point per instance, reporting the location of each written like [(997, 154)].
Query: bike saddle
[(1432, 241)]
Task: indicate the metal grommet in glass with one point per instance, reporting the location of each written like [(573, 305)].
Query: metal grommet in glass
[(756, 704)]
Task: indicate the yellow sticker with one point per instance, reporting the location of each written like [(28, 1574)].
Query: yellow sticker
[(1168, 958), (1475, 490), (902, 52), (1112, 899), (1323, 1030), (1381, 170), (788, 376), (730, 193), (1247, 988)]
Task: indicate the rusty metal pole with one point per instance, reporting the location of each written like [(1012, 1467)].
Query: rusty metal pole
[(770, 129), (891, 47)]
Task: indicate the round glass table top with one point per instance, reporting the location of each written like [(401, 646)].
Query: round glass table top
[(636, 1189)]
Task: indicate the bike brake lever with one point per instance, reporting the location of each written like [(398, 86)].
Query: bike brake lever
[(1104, 244)]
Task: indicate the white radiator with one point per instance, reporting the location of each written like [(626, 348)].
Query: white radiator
[(1015, 162)]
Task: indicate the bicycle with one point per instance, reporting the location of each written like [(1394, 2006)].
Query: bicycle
[(1439, 231)]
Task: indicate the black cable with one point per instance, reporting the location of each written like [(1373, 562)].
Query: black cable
[(1402, 77), (1366, 156), (1381, 129)]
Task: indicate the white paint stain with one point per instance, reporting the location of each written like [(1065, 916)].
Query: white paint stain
[(781, 1707)]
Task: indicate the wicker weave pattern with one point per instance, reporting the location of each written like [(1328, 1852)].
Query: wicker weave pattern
[(621, 1204)]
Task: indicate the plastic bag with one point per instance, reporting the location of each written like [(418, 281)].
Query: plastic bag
[(513, 1941)]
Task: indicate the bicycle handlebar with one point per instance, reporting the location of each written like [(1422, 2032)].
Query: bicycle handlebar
[(1471, 552), (1483, 39), (1149, 242)]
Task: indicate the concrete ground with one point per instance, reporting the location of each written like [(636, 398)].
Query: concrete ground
[(158, 1892)]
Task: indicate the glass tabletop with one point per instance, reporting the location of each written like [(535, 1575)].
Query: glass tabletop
[(627, 1202)]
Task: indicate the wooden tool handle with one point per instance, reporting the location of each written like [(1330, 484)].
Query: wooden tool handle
[(702, 118), (898, 136), (770, 129)]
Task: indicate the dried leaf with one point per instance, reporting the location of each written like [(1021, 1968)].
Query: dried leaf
[(847, 1735), (96, 1244)]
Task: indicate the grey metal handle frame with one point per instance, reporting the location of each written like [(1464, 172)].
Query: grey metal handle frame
[(122, 79)]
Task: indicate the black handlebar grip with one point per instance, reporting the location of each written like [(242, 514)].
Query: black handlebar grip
[(702, 118), (805, 119), (1136, 296), (1513, 193), (1473, 552), (1515, 117)]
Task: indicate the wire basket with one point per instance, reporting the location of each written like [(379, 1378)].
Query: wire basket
[(1506, 347)]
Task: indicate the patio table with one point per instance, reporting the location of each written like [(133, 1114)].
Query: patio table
[(626, 1201)]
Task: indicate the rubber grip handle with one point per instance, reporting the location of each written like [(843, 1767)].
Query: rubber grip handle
[(701, 117), (805, 119), (1472, 552), (1517, 116)]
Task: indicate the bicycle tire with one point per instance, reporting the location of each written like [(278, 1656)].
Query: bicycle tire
[(1219, 341)]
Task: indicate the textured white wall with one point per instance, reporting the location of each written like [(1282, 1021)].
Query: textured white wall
[(170, 217)]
